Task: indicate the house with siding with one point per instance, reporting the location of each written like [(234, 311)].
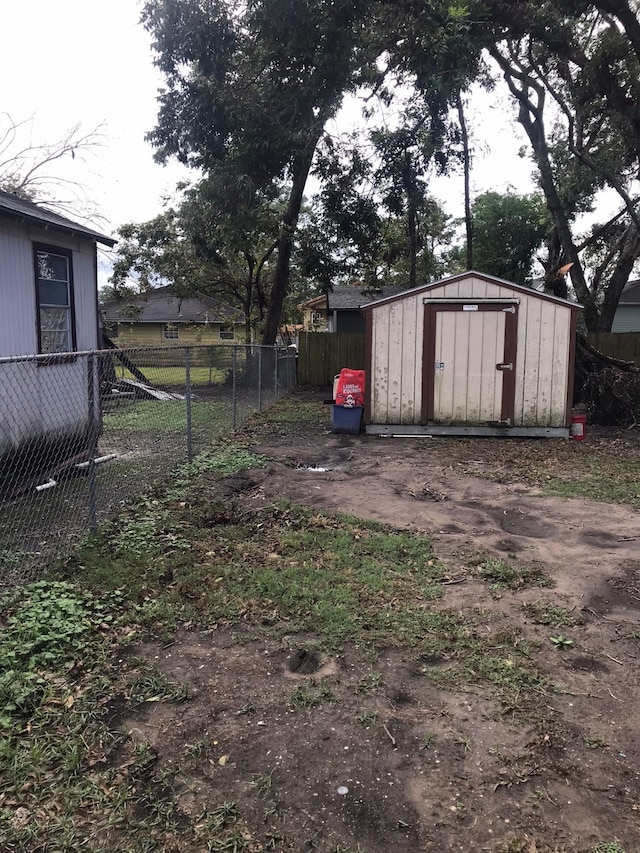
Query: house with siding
[(627, 316), (160, 317), (49, 309), (339, 310)]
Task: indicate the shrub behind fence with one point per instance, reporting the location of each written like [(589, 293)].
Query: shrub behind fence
[(82, 433)]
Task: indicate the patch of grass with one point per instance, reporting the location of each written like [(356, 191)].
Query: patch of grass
[(428, 741), (514, 576), (169, 416), (152, 686), (606, 478), (224, 461), (591, 469), (312, 696), (176, 376), (368, 682), (608, 847), (366, 717), (341, 578), (594, 742), (262, 783), (501, 661), (546, 613)]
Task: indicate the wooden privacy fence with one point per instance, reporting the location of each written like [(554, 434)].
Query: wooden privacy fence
[(321, 355), (623, 345)]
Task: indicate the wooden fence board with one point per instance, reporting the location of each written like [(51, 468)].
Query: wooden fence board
[(321, 355), (622, 345)]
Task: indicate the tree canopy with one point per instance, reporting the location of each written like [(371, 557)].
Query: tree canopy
[(507, 230), (250, 89)]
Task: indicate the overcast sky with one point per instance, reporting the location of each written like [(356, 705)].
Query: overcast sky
[(66, 62)]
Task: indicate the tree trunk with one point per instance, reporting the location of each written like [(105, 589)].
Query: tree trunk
[(408, 179), (629, 251), (530, 116), (467, 181), (300, 172)]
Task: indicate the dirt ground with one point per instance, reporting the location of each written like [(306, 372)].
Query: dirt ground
[(375, 757)]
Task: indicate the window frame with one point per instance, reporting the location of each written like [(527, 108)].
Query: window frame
[(55, 357), (166, 336), (227, 333)]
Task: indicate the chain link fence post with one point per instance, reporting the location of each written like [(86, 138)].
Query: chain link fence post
[(275, 371), (187, 382), (92, 434), (234, 385), (259, 379)]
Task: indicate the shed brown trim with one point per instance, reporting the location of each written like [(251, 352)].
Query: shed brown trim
[(428, 362), (368, 360), (431, 310), (571, 368), (510, 355)]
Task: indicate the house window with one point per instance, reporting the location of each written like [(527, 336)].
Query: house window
[(227, 333), (54, 296), (170, 332), (317, 318)]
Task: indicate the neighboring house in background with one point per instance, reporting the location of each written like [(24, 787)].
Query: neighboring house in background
[(159, 317), (314, 314), (48, 307), (339, 311), (627, 316)]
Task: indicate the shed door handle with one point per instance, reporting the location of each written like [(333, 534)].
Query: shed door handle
[(508, 366)]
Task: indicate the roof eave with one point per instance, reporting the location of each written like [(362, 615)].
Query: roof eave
[(45, 225)]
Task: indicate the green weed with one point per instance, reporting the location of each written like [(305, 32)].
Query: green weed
[(369, 682), (594, 742), (546, 613), (45, 624), (561, 642), (262, 783), (366, 717), (311, 696), (513, 576), (152, 686)]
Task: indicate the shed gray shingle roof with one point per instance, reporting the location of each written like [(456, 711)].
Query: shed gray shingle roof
[(21, 210), (163, 306)]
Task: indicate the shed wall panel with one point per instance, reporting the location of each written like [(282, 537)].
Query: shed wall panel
[(395, 362)]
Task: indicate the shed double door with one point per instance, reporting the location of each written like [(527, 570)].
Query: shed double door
[(469, 362)]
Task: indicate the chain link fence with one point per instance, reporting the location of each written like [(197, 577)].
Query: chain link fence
[(82, 432)]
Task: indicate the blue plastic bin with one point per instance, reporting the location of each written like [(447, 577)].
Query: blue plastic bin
[(346, 420)]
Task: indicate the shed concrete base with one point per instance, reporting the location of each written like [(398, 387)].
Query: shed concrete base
[(468, 429)]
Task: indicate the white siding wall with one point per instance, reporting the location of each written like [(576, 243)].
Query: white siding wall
[(542, 378), (49, 400), (626, 319)]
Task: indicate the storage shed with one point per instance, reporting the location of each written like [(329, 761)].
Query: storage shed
[(470, 355)]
